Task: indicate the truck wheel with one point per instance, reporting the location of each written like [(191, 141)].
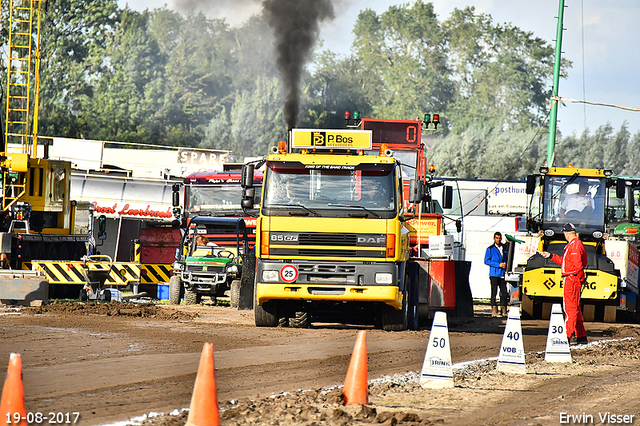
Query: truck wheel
[(301, 320), (83, 295), (191, 297), (266, 315), (107, 295), (397, 320), (247, 282), (175, 287), (234, 295)]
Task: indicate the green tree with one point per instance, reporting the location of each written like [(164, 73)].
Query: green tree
[(254, 123), (74, 37), (403, 64), (126, 97), (501, 73), (333, 88), (488, 153)]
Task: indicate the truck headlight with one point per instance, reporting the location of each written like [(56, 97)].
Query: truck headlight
[(270, 276), (177, 266), (233, 270), (384, 278)]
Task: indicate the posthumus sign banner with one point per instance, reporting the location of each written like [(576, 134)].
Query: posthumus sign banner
[(335, 139)]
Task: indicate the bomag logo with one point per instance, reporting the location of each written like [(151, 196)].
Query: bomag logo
[(323, 139)]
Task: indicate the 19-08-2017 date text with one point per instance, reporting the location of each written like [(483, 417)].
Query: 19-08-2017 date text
[(40, 418)]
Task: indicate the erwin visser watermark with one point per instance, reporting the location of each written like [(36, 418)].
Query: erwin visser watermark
[(606, 418)]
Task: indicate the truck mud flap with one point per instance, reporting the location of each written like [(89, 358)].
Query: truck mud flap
[(443, 284)]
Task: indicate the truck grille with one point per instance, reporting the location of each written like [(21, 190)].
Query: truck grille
[(343, 269), (210, 269), (331, 252), (326, 239)]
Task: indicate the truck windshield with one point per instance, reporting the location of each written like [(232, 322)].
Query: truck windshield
[(364, 188), (576, 199), (216, 200)]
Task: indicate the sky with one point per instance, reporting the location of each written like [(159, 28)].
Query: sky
[(608, 30)]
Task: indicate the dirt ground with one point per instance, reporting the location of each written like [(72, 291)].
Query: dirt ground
[(121, 362)]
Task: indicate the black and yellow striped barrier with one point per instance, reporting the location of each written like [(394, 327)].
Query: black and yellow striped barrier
[(155, 273), (61, 272)]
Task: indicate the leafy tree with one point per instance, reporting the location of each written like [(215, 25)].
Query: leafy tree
[(488, 153), (74, 36), (124, 99), (254, 123), (632, 154), (501, 73), (332, 89), (403, 63)]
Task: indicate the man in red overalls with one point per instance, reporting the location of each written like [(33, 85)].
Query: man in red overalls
[(573, 263)]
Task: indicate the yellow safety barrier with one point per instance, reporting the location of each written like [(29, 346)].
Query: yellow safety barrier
[(70, 272), (155, 273)]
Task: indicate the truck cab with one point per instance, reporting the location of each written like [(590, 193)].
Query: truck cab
[(331, 241)]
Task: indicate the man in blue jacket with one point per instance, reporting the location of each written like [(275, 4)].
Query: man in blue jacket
[(496, 258)]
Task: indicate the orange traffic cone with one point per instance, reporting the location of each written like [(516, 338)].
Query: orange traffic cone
[(356, 389), (12, 409), (203, 410)]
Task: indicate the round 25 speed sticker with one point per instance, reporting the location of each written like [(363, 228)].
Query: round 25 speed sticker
[(289, 273)]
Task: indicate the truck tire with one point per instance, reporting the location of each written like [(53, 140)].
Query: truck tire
[(234, 294), (301, 320), (191, 297), (247, 282), (398, 320), (175, 287), (266, 315)]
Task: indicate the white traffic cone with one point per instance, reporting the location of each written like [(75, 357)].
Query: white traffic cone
[(557, 342), (511, 358), (437, 371)]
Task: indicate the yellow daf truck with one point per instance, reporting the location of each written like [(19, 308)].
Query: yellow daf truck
[(332, 243)]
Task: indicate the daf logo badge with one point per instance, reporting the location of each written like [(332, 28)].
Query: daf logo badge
[(371, 240)]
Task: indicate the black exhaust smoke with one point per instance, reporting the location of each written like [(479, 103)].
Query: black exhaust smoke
[(296, 26)]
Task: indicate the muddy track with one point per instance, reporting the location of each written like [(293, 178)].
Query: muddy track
[(112, 362)]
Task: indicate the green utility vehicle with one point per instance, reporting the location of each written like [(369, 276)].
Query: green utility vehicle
[(214, 270)]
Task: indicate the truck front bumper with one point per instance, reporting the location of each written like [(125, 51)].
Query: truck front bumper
[(329, 281), (390, 295)]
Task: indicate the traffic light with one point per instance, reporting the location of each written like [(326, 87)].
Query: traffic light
[(435, 119), (431, 118), (352, 120)]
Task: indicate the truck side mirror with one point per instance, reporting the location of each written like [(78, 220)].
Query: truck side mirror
[(248, 195), (447, 197), (621, 188), (175, 195), (102, 227), (531, 184), (247, 175), (416, 191)]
